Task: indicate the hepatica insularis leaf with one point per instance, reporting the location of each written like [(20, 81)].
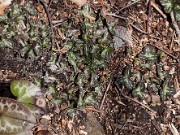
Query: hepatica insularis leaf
[(24, 90), (15, 118)]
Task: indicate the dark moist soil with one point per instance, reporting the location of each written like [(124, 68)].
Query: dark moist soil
[(130, 119), (116, 119)]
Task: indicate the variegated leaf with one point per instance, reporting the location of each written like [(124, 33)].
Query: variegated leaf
[(15, 118)]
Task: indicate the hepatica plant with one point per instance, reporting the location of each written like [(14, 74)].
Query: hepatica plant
[(147, 69), (20, 27), (85, 52)]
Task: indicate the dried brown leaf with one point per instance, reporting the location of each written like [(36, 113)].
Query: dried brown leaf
[(80, 3), (3, 5)]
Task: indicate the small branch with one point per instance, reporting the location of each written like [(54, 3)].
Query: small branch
[(148, 16), (158, 9), (114, 15), (49, 20), (145, 106), (127, 6), (172, 40), (107, 89), (175, 26), (172, 56), (144, 32)]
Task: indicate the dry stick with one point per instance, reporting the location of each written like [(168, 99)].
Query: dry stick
[(50, 4), (157, 8), (127, 6), (144, 32), (149, 15), (147, 107), (107, 89), (175, 26), (172, 18), (114, 15), (157, 46), (172, 40), (49, 20), (166, 53)]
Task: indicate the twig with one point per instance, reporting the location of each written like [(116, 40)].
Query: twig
[(58, 24), (147, 107), (166, 53), (107, 89), (144, 32), (173, 129), (114, 15), (49, 20), (149, 15), (175, 26), (127, 6), (50, 4), (155, 124), (138, 29), (157, 8), (172, 40)]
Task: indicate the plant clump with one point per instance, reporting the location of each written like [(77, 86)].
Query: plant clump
[(147, 75), (85, 52), (20, 26)]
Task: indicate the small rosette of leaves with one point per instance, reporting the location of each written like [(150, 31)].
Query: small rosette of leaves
[(20, 27), (148, 61)]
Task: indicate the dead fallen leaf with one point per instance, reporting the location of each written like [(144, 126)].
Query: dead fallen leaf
[(176, 83), (173, 129), (91, 18), (93, 127), (122, 36), (80, 3), (3, 5), (177, 94), (62, 36)]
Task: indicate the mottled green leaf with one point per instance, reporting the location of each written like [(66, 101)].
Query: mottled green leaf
[(162, 74), (167, 4), (105, 52), (90, 99), (172, 6), (139, 90), (166, 89), (72, 57), (126, 78), (15, 118), (6, 43), (149, 55), (25, 91)]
